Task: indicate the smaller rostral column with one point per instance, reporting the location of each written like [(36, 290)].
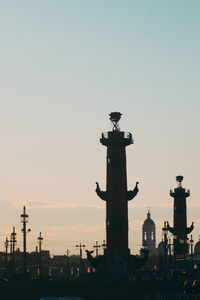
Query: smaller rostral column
[(180, 229), (116, 194)]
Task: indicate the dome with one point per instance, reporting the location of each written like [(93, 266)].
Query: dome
[(161, 245), (197, 248), (148, 221), (149, 233), (161, 248)]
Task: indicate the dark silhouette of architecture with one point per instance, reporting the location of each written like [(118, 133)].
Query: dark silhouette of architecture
[(197, 248), (116, 194), (149, 233), (180, 229), (116, 259), (93, 261), (196, 254), (161, 248)]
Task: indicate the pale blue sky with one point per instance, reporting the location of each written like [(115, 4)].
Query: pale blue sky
[(65, 65)]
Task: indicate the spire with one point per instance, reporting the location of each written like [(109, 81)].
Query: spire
[(148, 214)]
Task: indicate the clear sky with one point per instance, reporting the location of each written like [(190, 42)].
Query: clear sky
[(64, 66)]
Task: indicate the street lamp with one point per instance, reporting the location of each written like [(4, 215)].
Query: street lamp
[(97, 246), (80, 246), (68, 270), (13, 242), (165, 232), (40, 240), (6, 256), (104, 245), (191, 249), (24, 221)]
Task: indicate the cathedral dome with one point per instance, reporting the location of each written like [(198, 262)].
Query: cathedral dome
[(149, 233), (161, 248), (197, 248), (148, 220)]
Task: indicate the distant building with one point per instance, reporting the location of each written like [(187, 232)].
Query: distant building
[(196, 255), (161, 248), (149, 233), (197, 248)]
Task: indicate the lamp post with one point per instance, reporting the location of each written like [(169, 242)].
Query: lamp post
[(10, 264), (191, 249), (24, 221), (6, 256), (97, 246), (80, 246), (13, 242), (170, 249), (165, 231), (104, 245), (40, 240), (68, 270)]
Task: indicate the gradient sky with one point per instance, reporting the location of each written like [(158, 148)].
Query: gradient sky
[(64, 66)]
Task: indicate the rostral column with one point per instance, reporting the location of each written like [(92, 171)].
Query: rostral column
[(116, 194)]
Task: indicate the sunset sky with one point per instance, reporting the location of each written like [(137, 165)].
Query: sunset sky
[(64, 66)]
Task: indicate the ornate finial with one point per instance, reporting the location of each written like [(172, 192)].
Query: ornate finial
[(115, 117), (179, 179), (148, 214)]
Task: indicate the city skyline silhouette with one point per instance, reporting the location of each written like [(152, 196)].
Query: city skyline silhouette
[(64, 68)]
